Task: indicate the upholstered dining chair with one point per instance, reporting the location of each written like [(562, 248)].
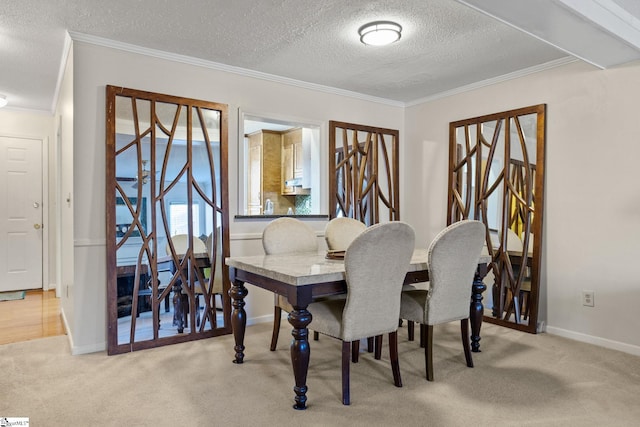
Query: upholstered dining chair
[(453, 259), (285, 236), (340, 232), (374, 275)]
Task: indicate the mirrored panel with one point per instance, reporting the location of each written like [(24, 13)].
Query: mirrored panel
[(496, 176), (279, 171), (167, 219), (364, 172)]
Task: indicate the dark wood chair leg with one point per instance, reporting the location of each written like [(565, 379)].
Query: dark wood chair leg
[(422, 335), (167, 301), (214, 313), (277, 314), (393, 355), (466, 344), (316, 336), (197, 311), (410, 331), (355, 351), (428, 351), (378, 352), (346, 347), (184, 301), (370, 345)]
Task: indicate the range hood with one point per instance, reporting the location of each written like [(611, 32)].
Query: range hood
[(297, 182)]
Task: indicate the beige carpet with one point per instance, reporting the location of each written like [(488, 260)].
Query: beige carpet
[(518, 380)]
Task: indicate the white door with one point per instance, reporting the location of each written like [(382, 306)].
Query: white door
[(20, 214)]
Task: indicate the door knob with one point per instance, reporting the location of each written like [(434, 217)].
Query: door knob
[(36, 205), (36, 226)]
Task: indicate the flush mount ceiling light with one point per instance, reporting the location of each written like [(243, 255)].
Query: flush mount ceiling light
[(379, 33), (3, 101)]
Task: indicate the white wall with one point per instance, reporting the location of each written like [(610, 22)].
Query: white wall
[(591, 236), (591, 226), (95, 67)]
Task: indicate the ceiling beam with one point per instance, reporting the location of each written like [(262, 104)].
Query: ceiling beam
[(599, 32)]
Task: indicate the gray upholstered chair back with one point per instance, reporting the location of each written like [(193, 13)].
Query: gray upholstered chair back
[(288, 235), (376, 263), (453, 259), (340, 232)]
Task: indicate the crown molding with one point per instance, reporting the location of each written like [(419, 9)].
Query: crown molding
[(100, 41), (127, 47)]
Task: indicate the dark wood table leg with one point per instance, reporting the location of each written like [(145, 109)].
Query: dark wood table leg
[(300, 353), (476, 310), (238, 316)]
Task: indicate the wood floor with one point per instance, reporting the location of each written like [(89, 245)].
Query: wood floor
[(35, 316)]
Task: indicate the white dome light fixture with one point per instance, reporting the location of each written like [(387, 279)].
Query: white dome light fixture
[(380, 33), (3, 100)]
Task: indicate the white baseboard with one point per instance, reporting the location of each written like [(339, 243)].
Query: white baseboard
[(76, 350), (261, 319), (66, 328), (85, 349), (601, 342)]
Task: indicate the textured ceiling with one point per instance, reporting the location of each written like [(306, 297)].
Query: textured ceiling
[(445, 44)]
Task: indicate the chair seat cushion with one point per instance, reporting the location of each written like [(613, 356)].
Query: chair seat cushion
[(419, 286), (327, 316), (412, 306), (197, 288)]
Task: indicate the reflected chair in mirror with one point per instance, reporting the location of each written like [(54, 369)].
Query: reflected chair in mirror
[(216, 281), (181, 244), (374, 275), (453, 259), (286, 236), (515, 246)]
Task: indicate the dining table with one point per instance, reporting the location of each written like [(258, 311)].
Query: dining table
[(303, 277)]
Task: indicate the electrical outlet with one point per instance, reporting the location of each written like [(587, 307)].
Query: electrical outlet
[(588, 298)]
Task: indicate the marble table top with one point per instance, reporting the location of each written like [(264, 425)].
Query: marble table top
[(307, 268)]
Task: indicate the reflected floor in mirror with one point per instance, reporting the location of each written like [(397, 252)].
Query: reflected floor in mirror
[(144, 324), (488, 312)]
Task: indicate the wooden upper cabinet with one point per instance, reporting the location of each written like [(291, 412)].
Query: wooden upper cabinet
[(264, 174), (287, 167), (297, 158), (254, 176), (293, 163)]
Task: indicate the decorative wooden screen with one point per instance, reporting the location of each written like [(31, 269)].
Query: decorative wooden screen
[(496, 165), (167, 219), (364, 171)]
